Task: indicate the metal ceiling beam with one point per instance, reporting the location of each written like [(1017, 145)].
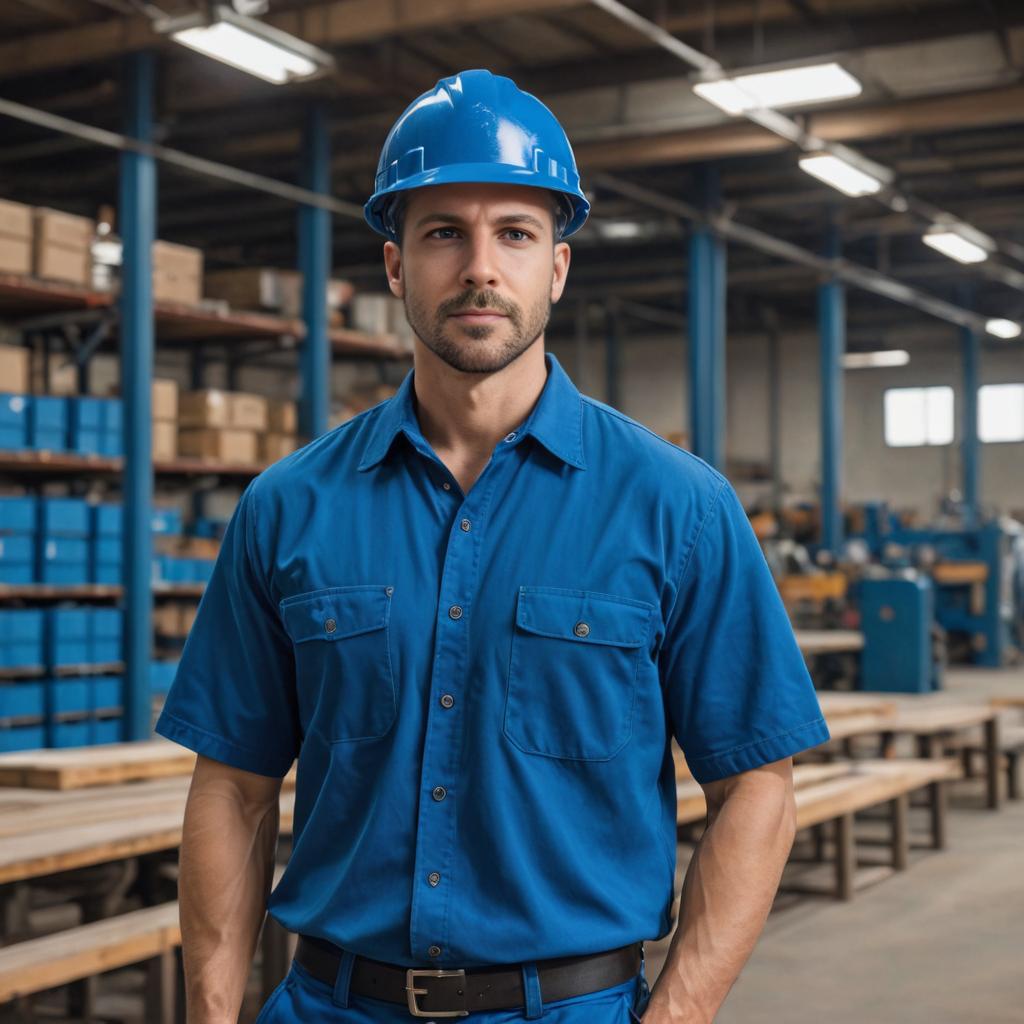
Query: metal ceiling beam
[(841, 269)]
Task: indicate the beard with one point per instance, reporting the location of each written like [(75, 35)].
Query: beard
[(517, 332)]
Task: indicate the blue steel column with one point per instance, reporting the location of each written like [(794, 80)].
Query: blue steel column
[(138, 228), (315, 265), (706, 323), (970, 449), (832, 337)]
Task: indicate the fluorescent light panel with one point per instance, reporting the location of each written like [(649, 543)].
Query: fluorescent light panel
[(815, 83), (955, 246), (1003, 328), (247, 52), (873, 360), (840, 175)]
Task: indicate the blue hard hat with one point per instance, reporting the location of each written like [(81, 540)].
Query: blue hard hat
[(476, 127)]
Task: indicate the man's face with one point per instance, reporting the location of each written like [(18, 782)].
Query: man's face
[(478, 269)]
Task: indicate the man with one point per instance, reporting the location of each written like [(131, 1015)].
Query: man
[(476, 612)]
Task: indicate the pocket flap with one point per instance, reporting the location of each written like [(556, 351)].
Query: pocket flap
[(583, 616), (337, 612)]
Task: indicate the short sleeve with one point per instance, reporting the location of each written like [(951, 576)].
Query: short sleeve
[(736, 687), (233, 696)]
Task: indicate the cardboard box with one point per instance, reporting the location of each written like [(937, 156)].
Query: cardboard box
[(63, 375), (164, 399), (14, 362), (207, 407), (55, 263), (165, 440), (282, 417), (15, 220), (247, 412), (177, 273), (65, 230), (226, 445), (269, 288), (276, 446), (15, 255)]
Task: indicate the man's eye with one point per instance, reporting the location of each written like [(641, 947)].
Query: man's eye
[(439, 232), (522, 235)]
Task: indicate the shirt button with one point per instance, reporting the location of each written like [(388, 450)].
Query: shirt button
[(330, 625), (447, 486), (511, 436), (581, 629), (465, 524), (455, 611), (434, 951), (447, 700), (389, 591), (433, 878), (439, 793)]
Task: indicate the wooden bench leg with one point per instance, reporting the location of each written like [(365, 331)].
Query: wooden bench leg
[(846, 860), (1012, 778), (992, 762), (161, 986), (818, 837), (14, 907), (937, 811), (900, 840), (968, 762)]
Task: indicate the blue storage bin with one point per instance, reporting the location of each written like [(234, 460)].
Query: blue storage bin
[(111, 444), (22, 699), (67, 636), (108, 519), (106, 730), (85, 413), (48, 441), (16, 575), (14, 415), (72, 734), (21, 637), (161, 675), (18, 514), (70, 695), (65, 517), (108, 550), (13, 439), (73, 574), (113, 414), (17, 548), (106, 692), (48, 412), (107, 623), (87, 442), (63, 560), (107, 573), (166, 519), (22, 737)]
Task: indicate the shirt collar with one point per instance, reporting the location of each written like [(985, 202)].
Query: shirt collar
[(556, 419)]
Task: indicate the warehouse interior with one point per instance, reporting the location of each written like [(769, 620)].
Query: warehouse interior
[(821, 295)]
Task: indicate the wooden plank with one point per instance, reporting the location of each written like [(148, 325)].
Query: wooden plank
[(38, 964), (829, 641), (835, 704), (47, 851), (101, 764)]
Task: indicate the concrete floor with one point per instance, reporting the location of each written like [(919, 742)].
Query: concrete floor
[(941, 943)]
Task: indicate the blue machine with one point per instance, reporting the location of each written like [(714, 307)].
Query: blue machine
[(988, 610), (896, 614)]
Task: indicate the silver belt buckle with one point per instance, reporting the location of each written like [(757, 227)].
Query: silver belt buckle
[(412, 992)]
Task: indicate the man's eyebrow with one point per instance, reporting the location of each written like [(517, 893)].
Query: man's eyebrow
[(511, 218)]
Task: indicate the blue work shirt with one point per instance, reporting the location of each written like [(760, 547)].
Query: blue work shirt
[(480, 687)]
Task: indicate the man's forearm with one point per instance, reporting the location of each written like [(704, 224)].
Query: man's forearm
[(727, 894), (226, 873)]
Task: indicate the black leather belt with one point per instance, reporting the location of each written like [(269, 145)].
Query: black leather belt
[(431, 992)]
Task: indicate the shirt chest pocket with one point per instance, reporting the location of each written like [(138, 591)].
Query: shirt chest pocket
[(343, 659), (572, 678)]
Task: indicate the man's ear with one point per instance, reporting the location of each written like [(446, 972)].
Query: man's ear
[(561, 270), (393, 267)]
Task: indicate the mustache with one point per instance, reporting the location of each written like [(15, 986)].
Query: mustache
[(479, 299)]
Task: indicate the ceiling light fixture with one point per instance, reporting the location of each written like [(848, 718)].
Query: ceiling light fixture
[(959, 242), (1003, 328), (873, 360), (787, 87), (840, 174), (247, 44)]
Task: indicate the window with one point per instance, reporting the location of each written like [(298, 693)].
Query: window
[(918, 416), (1001, 412)]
